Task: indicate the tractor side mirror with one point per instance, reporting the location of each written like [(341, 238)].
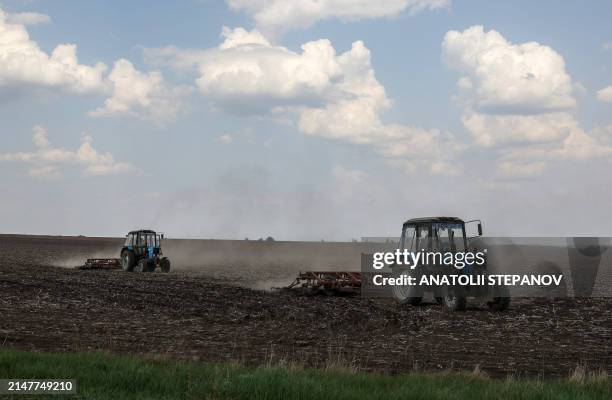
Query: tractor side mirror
[(162, 235), (479, 229)]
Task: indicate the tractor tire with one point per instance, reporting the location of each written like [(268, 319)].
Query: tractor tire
[(454, 303), (499, 304), (128, 261), (141, 266), (412, 295), (501, 301), (407, 295), (164, 264), (415, 301)]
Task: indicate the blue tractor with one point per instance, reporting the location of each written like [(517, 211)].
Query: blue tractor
[(142, 252)]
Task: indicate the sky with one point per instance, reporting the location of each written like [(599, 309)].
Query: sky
[(304, 119)]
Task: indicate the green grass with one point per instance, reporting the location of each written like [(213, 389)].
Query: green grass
[(102, 376)]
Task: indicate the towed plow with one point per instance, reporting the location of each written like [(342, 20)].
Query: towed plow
[(326, 282), (101, 263)]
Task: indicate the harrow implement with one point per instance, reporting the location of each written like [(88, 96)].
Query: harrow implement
[(101, 263), (327, 282)]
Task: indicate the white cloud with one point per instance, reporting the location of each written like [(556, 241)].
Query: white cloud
[(144, 95), (247, 74), (332, 95), (225, 139), (606, 45), (605, 94), (23, 64), (273, 16), (520, 168), (45, 161), (577, 145), (44, 172), (508, 78), (28, 18), (488, 130), (518, 97)]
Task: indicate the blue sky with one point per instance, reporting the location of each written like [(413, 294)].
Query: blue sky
[(403, 108)]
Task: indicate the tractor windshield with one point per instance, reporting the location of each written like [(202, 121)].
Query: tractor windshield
[(415, 237), (448, 236), (143, 239), (151, 240)]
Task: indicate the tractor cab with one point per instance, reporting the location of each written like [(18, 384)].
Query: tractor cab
[(142, 252), (444, 234), (144, 243)]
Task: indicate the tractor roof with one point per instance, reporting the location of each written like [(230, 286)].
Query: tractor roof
[(425, 220), (141, 231)]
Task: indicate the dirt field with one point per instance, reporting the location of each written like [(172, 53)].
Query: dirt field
[(204, 314)]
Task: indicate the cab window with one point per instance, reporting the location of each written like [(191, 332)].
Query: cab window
[(449, 236), (424, 239)]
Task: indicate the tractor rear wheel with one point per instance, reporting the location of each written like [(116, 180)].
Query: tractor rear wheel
[(453, 303), (406, 294), (128, 261), (164, 264)]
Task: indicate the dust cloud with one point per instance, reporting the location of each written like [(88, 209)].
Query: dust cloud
[(261, 264)]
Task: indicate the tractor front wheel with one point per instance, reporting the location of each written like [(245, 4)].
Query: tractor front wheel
[(128, 261), (453, 303), (141, 266), (499, 303), (501, 299), (164, 264)]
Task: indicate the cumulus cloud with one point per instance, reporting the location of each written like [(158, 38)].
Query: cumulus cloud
[(46, 160), (28, 18), (144, 95), (245, 68), (488, 130), (605, 94), (23, 64), (247, 74), (333, 95), (519, 98), (577, 145), (506, 77), (273, 16)]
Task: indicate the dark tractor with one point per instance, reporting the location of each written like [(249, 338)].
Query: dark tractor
[(142, 252), (445, 234)]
